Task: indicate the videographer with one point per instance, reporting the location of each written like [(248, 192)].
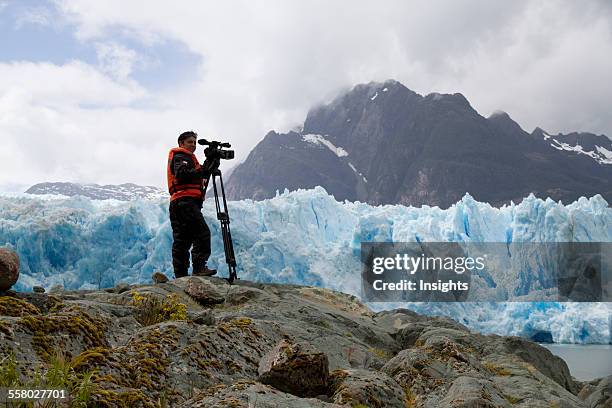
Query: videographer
[(187, 182)]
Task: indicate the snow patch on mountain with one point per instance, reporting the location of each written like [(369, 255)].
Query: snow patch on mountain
[(606, 153), (320, 140), (355, 170), (600, 154)]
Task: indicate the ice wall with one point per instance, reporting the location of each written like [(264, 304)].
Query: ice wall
[(303, 237)]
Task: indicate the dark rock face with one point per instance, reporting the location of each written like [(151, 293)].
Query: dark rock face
[(299, 369), (9, 268), (287, 161), (400, 147)]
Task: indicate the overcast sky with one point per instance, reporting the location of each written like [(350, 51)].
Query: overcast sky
[(97, 91)]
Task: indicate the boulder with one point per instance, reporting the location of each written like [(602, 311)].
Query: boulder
[(38, 289), (159, 277), (122, 287), (206, 318), (203, 293), (9, 268), (295, 368), (365, 387)]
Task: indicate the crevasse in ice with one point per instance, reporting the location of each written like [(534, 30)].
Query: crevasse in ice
[(304, 237)]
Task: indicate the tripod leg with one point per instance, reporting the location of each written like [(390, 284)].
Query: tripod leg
[(223, 217)]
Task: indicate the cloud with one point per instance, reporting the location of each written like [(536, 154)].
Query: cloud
[(265, 63), (116, 59), (35, 15)]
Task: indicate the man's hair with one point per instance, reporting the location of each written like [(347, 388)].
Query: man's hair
[(185, 135)]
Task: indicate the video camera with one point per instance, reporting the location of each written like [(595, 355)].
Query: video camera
[(215, 150)]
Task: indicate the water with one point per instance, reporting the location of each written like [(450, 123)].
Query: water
[(585, 361)]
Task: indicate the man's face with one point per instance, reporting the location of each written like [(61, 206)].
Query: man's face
[(189, 144)]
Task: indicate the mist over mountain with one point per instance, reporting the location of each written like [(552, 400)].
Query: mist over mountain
[(382, 143)]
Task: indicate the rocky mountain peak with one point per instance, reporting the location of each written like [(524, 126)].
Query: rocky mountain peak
[(405, 148), (502, 121)]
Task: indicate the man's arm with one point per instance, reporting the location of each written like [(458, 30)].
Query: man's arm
[(185, 171)]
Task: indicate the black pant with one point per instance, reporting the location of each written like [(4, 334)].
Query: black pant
[(188, 228)]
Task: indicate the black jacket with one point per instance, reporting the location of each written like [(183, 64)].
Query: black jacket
[(184, 169)]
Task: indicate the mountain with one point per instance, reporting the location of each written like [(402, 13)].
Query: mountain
[(382, 143), (122, 192)]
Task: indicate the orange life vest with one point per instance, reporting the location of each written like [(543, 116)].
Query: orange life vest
[(178, 189)]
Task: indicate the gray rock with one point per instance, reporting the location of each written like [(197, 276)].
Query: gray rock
[(370, 388), (159, 277), (203, 292), (214, 360), (468, 392), (540, 357), (206, 317), (246, 394), (416, 370), (242, 294), (298, 369), (9, 268), (122, 287), (38, 289), (599, 395)]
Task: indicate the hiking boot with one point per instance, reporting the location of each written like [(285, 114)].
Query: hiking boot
[(204, 271)]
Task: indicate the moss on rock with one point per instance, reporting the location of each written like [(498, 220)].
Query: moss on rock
[(15, 307), (71, 320)]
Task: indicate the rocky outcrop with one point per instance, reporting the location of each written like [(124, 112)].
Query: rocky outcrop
[(299, 369), (202, 292), (269, 345), (159, 277), (598, 393), (9, 269)]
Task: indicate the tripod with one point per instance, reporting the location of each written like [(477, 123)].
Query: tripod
[(223, 217)]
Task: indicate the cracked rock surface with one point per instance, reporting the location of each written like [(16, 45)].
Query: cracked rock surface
[(273, 345)]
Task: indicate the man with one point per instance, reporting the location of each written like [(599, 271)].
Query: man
[(187, 182)]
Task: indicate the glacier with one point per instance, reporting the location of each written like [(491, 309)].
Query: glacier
[(303, 237)]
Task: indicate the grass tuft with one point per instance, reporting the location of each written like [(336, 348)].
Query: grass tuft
[(151, 309)]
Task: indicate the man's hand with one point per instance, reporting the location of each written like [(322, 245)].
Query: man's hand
[(210, 167)]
